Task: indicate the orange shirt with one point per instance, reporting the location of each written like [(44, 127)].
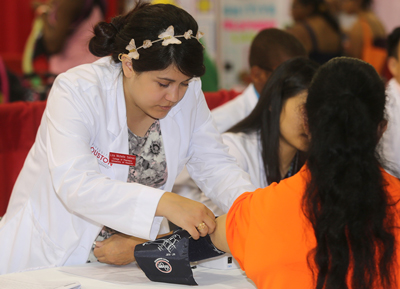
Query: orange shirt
[(270, 237)]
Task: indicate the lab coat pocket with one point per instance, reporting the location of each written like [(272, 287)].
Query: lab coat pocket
[(24, 244), (48, 252)]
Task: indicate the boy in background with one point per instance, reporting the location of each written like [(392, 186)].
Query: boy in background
[(268, 49)]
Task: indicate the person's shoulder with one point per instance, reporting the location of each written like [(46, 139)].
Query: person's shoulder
[(392, 184), (299, 29), (393, 98), (295, 183), (241, 137), (370, 16), (393, 87), (99, 73), (390, 179), (317, 20), (374, 22), (286, 195)]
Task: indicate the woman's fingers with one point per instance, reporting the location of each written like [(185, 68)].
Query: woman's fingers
[(187, 214), (192, 231), (202, 228)]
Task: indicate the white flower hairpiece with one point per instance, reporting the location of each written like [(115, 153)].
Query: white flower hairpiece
[(167, 38), (132, 50)]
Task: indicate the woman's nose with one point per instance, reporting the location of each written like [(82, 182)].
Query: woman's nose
[(173, 95)]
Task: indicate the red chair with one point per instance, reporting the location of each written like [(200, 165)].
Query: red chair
[(215, 99), (19, 124)]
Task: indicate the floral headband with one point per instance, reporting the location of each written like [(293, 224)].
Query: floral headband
[(167, 37)]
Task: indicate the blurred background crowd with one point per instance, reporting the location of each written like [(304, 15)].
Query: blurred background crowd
[(42, 38)]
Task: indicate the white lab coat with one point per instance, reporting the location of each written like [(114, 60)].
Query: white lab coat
[(390, 142), (246, 148), (67, 190), (231, 112)]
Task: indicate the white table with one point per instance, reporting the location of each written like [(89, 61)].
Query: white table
[(130, 276)]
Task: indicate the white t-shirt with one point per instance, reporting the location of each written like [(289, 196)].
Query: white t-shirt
[(390, 142)]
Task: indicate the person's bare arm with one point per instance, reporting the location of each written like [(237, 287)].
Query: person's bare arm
[(117, 250), (185, 213), (218, 237), (298, 31)]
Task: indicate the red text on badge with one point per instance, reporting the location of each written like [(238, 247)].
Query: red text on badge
[(122, 159)]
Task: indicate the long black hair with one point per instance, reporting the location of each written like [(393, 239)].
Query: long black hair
[(289, 79), (146, 22), (345, 199)]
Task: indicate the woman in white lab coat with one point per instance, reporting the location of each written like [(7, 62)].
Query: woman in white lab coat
[(270, 143), (113, 137)]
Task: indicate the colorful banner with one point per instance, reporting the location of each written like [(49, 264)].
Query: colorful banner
[(239, 22)]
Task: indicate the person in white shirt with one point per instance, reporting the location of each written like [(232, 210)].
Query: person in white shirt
[(113, 138), (390, 142), (268, 50)]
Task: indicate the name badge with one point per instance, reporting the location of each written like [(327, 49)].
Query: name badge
[(122, 159)]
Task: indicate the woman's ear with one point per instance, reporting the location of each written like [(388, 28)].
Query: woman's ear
[(127, 66), (259, 77), (392, 65)]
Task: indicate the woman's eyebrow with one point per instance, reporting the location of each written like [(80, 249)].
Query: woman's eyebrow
[(172, 80)]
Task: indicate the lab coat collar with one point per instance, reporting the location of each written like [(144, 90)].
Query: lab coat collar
[(116, 103), (117, 124)]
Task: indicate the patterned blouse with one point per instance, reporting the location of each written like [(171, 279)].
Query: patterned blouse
[(150, 168), (151, 164)]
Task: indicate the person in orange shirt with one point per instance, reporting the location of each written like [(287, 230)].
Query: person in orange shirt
[(364, 35), (333, 224)]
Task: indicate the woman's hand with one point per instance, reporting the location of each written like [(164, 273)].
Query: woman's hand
[(190, 215), (117, 250)]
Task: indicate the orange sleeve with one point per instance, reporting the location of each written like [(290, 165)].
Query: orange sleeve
[(237, 226)]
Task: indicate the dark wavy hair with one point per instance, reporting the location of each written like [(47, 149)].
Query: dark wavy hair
[(146, 22), (320, 8), (345, 199), (289, 79)]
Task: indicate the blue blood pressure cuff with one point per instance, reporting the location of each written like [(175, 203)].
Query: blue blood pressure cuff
[(167, 259)]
